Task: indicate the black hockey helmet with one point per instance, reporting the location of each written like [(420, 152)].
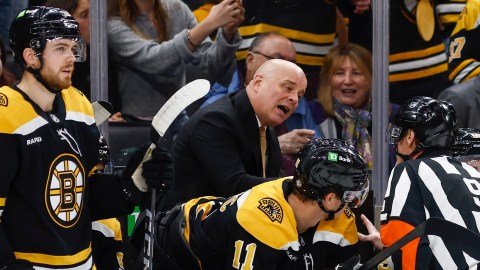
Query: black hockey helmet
[(332, 165), (433, 122), (466, 144), (36, 25)]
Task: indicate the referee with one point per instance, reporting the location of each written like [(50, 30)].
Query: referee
[(427, 182)]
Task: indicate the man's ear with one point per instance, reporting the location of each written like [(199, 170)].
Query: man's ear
[(29, 57), (411, 137), (329, 198), (249, 59), (257, 81)]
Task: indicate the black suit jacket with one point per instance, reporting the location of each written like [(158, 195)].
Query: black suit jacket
[(217, 152)]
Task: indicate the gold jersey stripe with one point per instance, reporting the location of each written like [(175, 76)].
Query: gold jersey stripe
[(417, 54), (37, 258), (289, 33), (459, 68), (418, 74), (2, 201)]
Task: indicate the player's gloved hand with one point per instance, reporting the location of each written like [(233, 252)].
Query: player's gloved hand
[(133, 182), (158, 171), (351, 264)]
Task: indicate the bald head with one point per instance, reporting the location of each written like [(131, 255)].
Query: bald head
[(268, 46), (275, 89)]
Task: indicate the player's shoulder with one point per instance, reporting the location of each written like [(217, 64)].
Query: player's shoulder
[(266, 215), (76, 103), (16, 113)]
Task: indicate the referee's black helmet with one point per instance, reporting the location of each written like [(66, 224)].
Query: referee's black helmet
[(433, 122)]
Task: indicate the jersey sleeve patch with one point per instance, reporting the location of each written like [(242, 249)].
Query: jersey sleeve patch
[(265, 214)]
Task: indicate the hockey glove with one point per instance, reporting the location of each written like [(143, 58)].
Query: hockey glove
[(158, 171), (351, 264)]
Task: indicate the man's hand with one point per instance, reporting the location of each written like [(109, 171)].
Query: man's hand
[(293, 141), (373, 235), (361, 6)]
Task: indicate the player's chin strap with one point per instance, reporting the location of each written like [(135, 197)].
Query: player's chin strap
[(331, 214), (407, 157), (38, 76)]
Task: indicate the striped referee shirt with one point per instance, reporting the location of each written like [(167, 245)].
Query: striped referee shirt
[(433, 185)]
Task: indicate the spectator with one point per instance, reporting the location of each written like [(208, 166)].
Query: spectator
[(151, 42), (48, 130), (343, 107), (464, 59), (465, 98), (418, 64), (299, 223), (426, 182)]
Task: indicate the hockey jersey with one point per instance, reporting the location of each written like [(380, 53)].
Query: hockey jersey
[(309, 24), (257, 230), (430, 186), (48, 185), (464, 59)]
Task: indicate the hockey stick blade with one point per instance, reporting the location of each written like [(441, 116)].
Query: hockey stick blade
[(102, 110), (448, 231), (185, 96)]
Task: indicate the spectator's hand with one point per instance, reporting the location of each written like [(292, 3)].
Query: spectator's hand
[(158, 172), (293, 141), (116, 117), (227, 12), (351, 264), (373, 235), (231, 28), (361, 6)]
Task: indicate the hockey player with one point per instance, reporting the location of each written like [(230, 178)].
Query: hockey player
[(302, 222), (49, 189), (427, 182)]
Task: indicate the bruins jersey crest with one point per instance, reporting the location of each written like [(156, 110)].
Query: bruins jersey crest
[(3, 100), (64, 190), (271, 208)]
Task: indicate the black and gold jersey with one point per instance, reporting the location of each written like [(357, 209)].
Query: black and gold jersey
[(464, 59), (416, 67), (448, 12), (434, 186), (257, 230), (47, 183), (309, 24)]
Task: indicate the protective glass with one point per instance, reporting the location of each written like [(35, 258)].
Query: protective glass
[(393, 134), (62, 46), (355, 198)]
